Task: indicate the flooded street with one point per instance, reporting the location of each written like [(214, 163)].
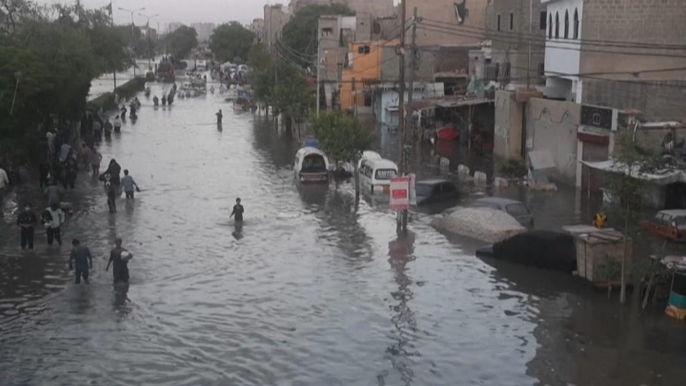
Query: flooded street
[(313, 289)]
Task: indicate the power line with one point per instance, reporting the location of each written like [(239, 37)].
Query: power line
[(593, 42), (514, 40)]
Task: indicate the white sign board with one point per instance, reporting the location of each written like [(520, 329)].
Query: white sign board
[(400, 193)]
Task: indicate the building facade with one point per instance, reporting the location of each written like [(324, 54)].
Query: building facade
[(513, 28), (613, 52), (275, 18), (450, 22), (257, 27), (374, 7)]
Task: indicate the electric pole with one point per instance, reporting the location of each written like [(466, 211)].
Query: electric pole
[(319, 67), (410, 93), (402, 214), (528, 65)]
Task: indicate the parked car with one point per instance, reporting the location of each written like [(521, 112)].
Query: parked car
[(376, 175), (539, 248), (670, 224), (311, 165), (435, 191), (514, 208)]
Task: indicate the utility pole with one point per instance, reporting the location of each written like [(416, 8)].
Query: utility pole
[(319, 67), (410, 93), (114, 72), (402, 214), (528, 64)]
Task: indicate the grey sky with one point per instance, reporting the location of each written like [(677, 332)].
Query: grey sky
[(185, 11)]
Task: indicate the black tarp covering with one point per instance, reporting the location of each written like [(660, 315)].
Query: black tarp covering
[(539, 248)]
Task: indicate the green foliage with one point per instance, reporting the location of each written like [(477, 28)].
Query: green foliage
[(230, 41), (182, 41), (513, 168), (342, 137), (300, 33), (54, 53)]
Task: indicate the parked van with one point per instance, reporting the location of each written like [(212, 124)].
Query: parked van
[(376, 175), (311, 165)]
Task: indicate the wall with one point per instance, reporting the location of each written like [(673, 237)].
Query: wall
[(275, 18), (376, 7), (390, 68), (562, 56), (512, 46), (364, 67), (507, 136), (553, 126), (642, 22), (443, 11)]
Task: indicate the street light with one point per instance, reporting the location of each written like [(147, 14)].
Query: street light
[(133, 40), (147, 24)]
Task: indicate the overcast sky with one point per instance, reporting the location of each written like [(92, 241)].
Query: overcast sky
[(185, 11)]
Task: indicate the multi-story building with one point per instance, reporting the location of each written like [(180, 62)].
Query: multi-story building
[(335, 33), (173, 26), (275, 18), (449, 22), (204, 30), (375, 7), (622, 54), (517, 31), (257, 27)]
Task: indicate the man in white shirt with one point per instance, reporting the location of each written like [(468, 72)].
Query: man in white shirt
[(53, 218)]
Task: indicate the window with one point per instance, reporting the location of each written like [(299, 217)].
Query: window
[(557, 25), (364, 50), (327, 32), (566, 25), (542, 20), (385, 174), (576, 24), (550, 26), (498, 25), (511, 21), (367, 99), (497, 71), (541, 69), (506, 74)]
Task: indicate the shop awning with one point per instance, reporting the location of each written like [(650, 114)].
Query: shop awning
[(429, 104), (659, 177)]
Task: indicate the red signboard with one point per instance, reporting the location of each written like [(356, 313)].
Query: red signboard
[(400, 193)]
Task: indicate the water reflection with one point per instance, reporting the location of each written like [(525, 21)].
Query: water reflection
[(402, 351)]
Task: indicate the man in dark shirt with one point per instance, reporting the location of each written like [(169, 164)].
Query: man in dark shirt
[(119, 258), (84, 261), (238, 210), (26, 221)]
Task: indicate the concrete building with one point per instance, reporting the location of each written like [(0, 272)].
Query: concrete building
[(449, 22), (514, 25), (257, 27), (610, 53), (173, 26), (275, 18), (375, 7), (204, 31)]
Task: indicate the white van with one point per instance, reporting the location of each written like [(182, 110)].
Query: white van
[(311, 165), (376, 175)]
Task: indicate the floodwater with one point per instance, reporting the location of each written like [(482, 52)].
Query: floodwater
[(314, 288)]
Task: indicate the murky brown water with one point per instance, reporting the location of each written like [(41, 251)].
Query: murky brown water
[(313, 290)]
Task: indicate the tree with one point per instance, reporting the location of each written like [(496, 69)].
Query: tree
[(182, 41), (343, 138), (230, 41), (627, 191), (293, 97), (300, 33)]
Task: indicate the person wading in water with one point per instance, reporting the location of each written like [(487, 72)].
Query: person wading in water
[(119, 258)]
